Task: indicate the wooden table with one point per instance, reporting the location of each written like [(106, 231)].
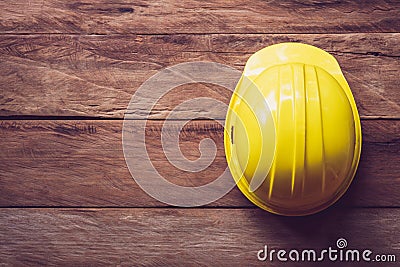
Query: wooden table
[(67, 72)]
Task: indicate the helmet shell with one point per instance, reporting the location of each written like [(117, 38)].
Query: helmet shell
[(293, 134)]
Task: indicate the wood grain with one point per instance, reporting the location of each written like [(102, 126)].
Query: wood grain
[(216, 16), (185, 237), (96, 76), (81, 163), (67, 72)]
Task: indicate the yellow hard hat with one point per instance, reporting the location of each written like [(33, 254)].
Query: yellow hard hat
[(292, 132)]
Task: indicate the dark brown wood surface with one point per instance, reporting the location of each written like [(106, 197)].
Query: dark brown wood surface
[(191, 16), (67, 72), (81, 163), (182, 237), (55, 68)]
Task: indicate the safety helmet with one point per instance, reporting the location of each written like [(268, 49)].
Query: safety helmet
[(292, 132)]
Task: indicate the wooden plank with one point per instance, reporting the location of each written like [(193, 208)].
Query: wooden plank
[(216, 16), (81, 163), (186, 237), (97, 75)]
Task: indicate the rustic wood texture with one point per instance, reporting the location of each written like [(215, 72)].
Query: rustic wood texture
[(81, 163), (67, 72), (96, 76), (185, 237), (216, 16)]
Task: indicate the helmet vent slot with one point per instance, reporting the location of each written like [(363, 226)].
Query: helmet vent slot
[(232, 128)]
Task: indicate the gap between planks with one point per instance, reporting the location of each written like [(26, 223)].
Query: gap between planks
[(86, 118)]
